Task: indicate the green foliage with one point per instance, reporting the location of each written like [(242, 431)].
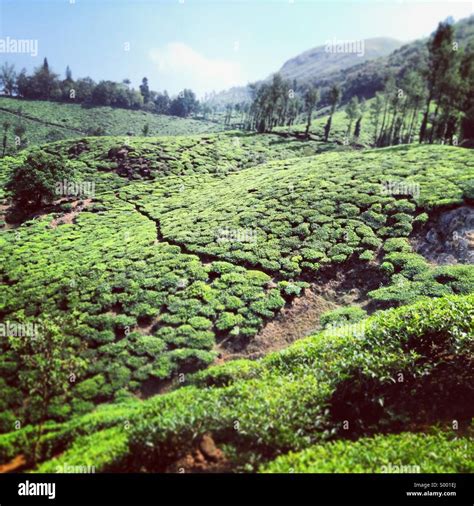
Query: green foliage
[(47, 365), (198, 240), (299, 397), (343, 316), (440, 452), (397, 244), (90, 453), (35, 182), (412, 278), (70, 120), (208, 244)]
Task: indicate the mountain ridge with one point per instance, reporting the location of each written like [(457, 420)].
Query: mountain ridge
[(361, 76)]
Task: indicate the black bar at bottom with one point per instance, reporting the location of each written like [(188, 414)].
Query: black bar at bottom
[(239, 489)]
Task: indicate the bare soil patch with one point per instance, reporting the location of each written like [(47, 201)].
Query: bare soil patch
[(299, 319), (205, 458), (69, 217)]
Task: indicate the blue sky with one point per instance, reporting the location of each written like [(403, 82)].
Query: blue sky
[(202, 44)]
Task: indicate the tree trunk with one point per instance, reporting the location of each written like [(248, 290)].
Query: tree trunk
[(384, 117), (327, 128), (308, 125), (412, 123), (424, 123), (434, 123)]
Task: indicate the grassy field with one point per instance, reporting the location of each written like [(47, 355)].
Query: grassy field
[(187, 249)]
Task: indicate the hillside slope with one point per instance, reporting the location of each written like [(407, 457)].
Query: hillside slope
[(51, 121), (409, 370), (322, 61), (314, 65), (356, 75), (190, 245), (365, 78)]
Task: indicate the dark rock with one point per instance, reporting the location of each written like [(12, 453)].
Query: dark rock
[(449, 237)]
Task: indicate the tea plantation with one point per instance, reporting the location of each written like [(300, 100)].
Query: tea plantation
[(187, 248), (408, 370), (46, 121)]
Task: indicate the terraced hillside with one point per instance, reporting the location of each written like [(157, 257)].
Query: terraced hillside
[(50, 121), (194, 250)]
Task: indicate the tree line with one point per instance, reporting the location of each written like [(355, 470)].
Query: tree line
[(44, 84), (432, 102)]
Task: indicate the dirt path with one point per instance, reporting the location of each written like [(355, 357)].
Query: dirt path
[(14, 465)]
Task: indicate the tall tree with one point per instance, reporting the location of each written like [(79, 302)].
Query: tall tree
[(45, 82), (34, 182), (352, 112), (145, 90), (440, 60), (389, 92), (23, 84), (184, 104), (311, 98), (48, 362), (6, 126), (334, 96), (162, 103), (358, 125), (375, 109), (415, 89), (7, 78), (467, 93)]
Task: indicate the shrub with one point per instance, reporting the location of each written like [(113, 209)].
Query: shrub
[(228, 320), (387, 268), (98, 452), (440, 452), (342, 316), (367, 255), (409, 264), (35, 181), (399, 244)]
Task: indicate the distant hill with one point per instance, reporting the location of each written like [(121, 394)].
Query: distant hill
[(357, 75), (234, 95), (368, 77), (312, 65), (335, 56)]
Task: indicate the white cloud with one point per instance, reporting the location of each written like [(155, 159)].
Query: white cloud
[(181, 66)]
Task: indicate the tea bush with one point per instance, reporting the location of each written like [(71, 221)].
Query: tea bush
[(441, 452), (302, 396)]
